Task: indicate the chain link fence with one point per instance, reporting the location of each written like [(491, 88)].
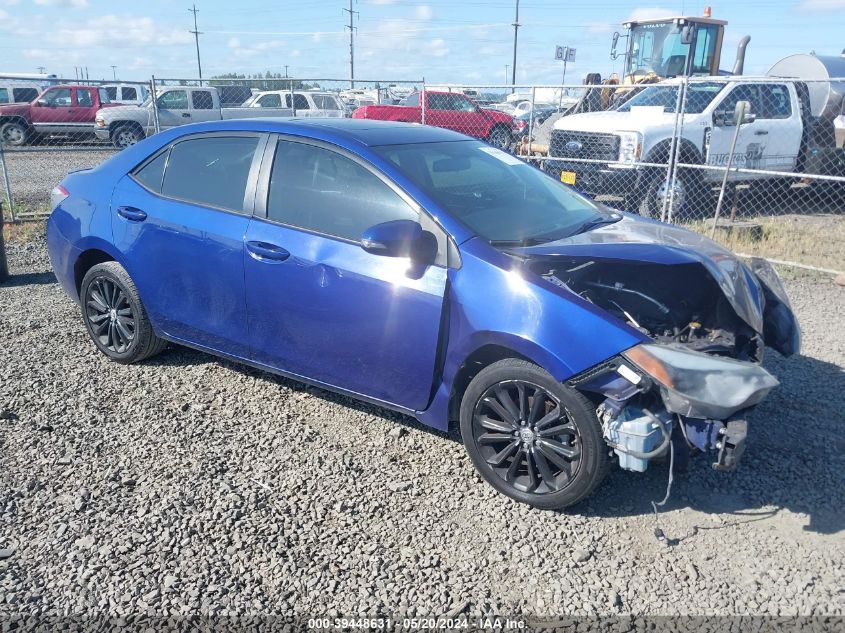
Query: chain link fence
[(758, 163)]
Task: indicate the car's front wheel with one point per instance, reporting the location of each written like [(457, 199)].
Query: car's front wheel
[(126, 136), (14, 133), (115, 317), (531, 437)]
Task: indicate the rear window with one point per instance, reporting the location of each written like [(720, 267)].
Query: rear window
[(299, 102), (325, 102), (210, 171), (128, 94), (111, 91), (4, 95), (202, 100)]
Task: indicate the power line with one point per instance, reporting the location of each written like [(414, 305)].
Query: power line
[(351, 28), (197, 34)]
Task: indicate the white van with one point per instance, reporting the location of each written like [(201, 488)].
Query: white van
[(18, 91), (127, 94), (306, 104)]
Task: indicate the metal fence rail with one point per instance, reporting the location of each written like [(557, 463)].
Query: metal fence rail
[(673, 151)]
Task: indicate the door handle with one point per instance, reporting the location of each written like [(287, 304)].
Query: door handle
[(186, 115), (761, 132), (263, 250), (132, 214)]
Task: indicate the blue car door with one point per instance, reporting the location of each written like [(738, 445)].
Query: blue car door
[(179, 220), (321, 307)]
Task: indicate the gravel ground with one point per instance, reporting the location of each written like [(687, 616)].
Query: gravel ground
[(190, 485)]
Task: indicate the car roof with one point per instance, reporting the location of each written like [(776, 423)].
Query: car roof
[(361, 131)]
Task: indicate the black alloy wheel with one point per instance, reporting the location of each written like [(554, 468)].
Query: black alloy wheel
[(109, 314), (115, 316), (531, 437), (527, 437)]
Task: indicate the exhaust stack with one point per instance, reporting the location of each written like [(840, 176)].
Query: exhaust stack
[(739, 66)]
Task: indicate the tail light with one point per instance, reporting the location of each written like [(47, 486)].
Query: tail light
[(58, 195)]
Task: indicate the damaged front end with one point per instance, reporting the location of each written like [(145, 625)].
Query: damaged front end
[(709, 317)]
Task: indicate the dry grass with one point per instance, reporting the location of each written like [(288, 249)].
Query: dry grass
[(815, 240), (23, 232)]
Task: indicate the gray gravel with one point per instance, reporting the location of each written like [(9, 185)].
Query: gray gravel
[(191, 485)]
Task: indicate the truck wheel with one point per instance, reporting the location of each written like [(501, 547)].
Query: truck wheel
[(691, 198), (531, 437), (14, 133), (126, 135), (499, 137)]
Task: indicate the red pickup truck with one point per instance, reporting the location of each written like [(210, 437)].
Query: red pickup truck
[(451, 110), (59, 110)]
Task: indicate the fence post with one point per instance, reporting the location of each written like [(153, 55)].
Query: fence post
[(422, 102), (4, 264), (292, 100), (154, 104), (671, 167), (531, 120), (6, 185), (740, 115)]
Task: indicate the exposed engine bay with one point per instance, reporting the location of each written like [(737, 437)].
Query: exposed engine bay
[(679, 304)]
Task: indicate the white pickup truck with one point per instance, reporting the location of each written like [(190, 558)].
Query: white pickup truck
[(177, 105), (608, 153)]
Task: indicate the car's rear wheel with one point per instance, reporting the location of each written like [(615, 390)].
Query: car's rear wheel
[(499, 137), (114, 315), (532, 438)]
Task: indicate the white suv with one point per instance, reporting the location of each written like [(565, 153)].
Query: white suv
[(305, 103)]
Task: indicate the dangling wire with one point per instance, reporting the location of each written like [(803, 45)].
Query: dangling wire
[(654, 504)]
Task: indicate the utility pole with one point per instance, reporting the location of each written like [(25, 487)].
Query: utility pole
[(506, 72), (41, 70), (114, 72), (515, 30), (351, 28), (197, 34)]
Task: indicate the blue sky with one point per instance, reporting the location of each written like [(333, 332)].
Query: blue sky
[(452, 41)]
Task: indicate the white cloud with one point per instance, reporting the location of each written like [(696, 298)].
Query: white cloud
[(649, 13), (601, 28), (423, 12), (252, 50), (438, 48), (821, 5), (76, 4), (119, 32)]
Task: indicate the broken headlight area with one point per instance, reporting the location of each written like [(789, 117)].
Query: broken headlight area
[(654, 392), (679, 304)]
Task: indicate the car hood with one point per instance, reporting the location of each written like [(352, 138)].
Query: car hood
[(637, 119), (747, 288)]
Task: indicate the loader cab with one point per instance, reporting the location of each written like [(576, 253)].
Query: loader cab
[(671, 47)]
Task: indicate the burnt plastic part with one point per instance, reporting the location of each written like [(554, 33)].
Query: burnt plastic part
[(731, 444)]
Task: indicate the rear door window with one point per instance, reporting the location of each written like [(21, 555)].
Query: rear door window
[(210, 171), (128, 93), (202, 100), (24, 95), (150, 173), (111, 91), (270, 101), (84, 98), (299, 102)]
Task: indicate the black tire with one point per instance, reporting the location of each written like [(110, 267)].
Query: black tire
[(108, 296), (125, 136), (693, 198), (15, 133), (500, 137), (551, 464)]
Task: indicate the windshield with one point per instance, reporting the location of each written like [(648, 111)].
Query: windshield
[(699, 96), (657, 48), (495, 194)]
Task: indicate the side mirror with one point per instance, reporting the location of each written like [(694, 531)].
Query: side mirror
[(614, 42), (687, 34), (743, 113), (42, 103), (400, 238)]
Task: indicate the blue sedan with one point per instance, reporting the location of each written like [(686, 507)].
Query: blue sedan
[(428, 273)]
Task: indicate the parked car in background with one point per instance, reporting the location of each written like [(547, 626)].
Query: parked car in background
[(305, 103), (233, 95), (66, 111), (126, 125), (431, 274), (641, 130), (451, 110), (18, 92), (126, 94)]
